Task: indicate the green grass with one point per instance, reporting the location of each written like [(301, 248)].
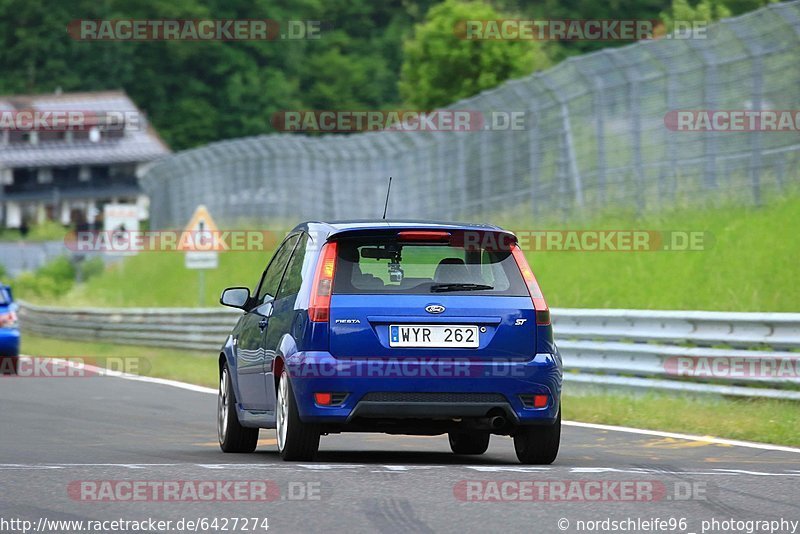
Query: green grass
[(760, 420), (159, 279), (766, 421), (749, 264)]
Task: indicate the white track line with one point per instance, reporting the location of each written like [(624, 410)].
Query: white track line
[(690, 437), (609, 428), (402, 469), (136, 378)]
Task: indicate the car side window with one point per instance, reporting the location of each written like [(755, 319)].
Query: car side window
[(272, 276), (293, 278)]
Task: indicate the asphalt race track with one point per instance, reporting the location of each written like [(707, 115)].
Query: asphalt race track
[(60, 436)]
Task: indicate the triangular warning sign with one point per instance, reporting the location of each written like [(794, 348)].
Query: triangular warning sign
[(201, 221)]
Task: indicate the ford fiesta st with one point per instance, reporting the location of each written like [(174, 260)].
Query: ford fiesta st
[(397, 327)]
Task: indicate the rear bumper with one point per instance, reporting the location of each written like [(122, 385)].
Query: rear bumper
[(430, 410), (438, 389), (9, 342)]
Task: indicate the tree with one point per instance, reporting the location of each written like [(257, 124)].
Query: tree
[(585, 10), (197, 92), (704, 11), (708, 10), (440, 66)]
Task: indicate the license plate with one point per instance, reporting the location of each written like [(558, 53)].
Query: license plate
[(419, 335)]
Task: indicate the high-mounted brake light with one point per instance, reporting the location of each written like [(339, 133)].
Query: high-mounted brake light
[(423, 235), (319, 307), (539, 304)]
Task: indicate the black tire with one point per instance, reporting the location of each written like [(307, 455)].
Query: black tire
[(538, 445), (301, 440), (233, 437), (9, 365), (469, 442)]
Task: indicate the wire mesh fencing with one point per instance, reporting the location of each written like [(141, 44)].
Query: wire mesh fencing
[(599, 134)]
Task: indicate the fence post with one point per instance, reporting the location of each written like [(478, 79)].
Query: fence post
[(635, 126), (672, 151), (532, 125), (570, 152), (754, 53), (461, 174), (710, 103), (567, 147), (599, 128), (755, 137), (535, 158), (486, 172)]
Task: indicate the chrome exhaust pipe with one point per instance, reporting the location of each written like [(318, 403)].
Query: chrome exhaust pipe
[(497, 422)]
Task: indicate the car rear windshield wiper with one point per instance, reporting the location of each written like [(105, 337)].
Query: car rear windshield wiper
[(441, 288)]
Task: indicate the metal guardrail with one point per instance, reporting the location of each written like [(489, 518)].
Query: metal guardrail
[(201, 329), (738, 354), (702, 328), (634, 349)]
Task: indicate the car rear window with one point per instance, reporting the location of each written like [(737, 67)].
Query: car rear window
[(5, 298), (383, 265)]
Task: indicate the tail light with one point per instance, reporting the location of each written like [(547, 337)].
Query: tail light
[(539, 304), (319, 307), (8, 320), (324, 398), (535, 400)]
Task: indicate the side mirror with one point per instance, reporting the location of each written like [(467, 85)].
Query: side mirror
[(235, 297)]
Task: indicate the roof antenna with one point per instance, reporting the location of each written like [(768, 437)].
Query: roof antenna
[(386, 205)]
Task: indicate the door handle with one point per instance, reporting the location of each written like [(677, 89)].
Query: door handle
[(262, 324)]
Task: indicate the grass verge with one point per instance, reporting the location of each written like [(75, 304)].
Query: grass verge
[(747, 264), (766, 421), (760, 420)]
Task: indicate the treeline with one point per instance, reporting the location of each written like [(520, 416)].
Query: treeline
[(372, 54)]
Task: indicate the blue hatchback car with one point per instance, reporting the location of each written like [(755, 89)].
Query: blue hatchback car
[(9, 332), (397, 327)]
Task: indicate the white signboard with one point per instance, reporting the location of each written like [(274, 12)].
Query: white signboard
[(202, 260), (119, 220)]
